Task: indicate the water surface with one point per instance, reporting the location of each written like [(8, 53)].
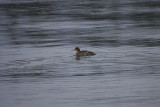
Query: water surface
[(38, 66)]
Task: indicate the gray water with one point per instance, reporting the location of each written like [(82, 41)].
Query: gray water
[(38, 67)]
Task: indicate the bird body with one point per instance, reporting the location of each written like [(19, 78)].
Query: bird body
[(83, 52)]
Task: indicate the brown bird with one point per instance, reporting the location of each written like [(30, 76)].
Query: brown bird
[(83, 52)]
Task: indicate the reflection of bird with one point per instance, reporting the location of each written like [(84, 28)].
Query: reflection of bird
[(83, 52)]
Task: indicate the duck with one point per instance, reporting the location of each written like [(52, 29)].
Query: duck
[(83, 52)]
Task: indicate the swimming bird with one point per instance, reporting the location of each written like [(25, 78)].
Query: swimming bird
[(83, 52)]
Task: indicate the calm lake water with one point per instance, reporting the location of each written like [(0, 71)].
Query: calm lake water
[(38, 67)]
